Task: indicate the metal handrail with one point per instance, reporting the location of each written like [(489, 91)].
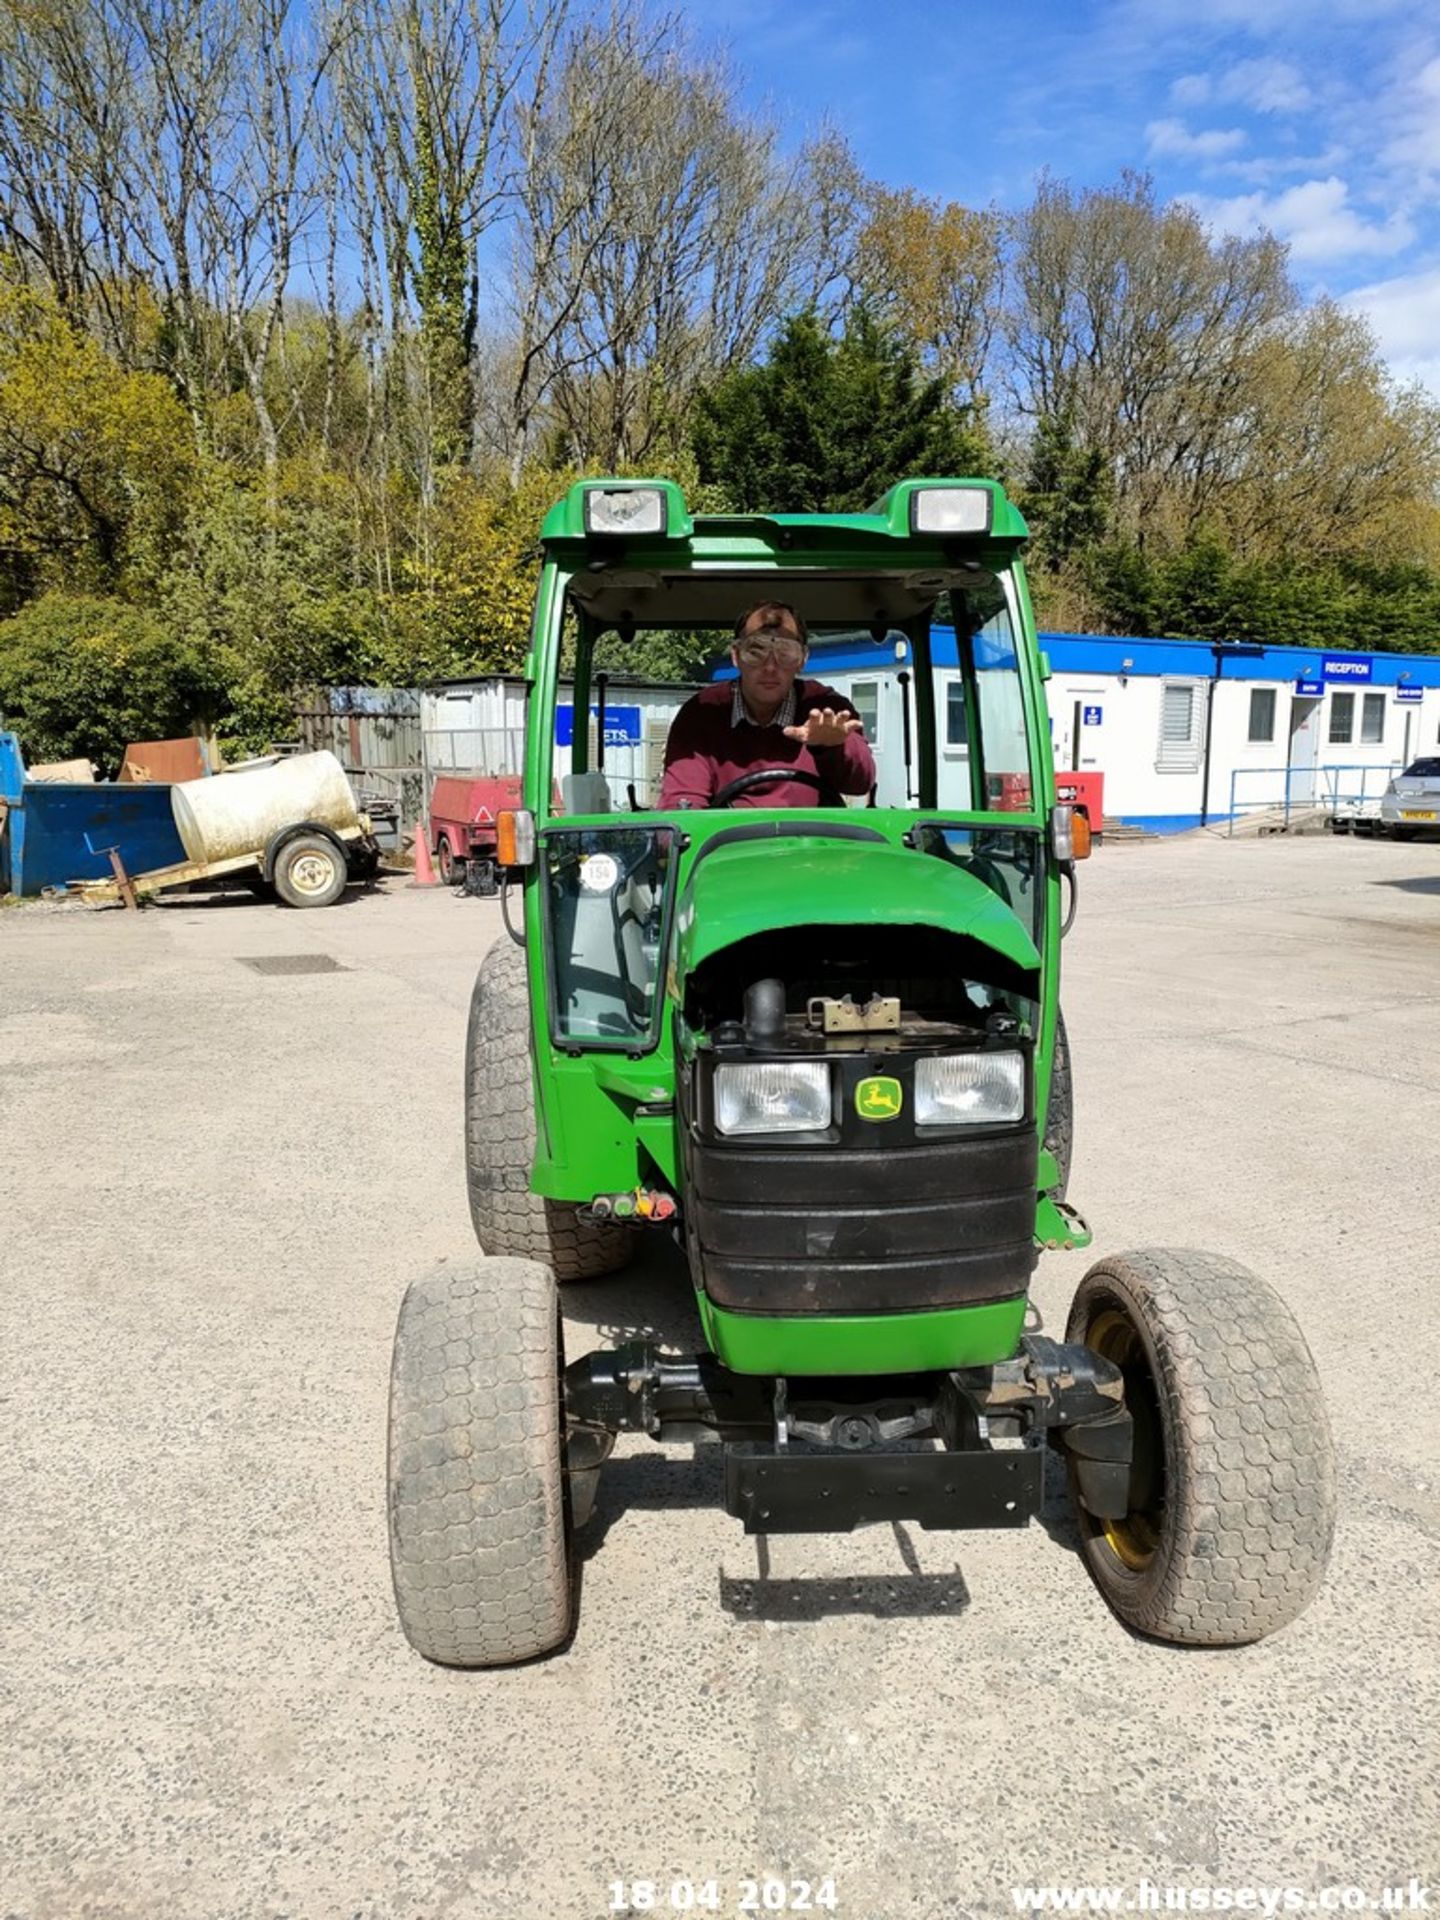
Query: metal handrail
[(1328, 801)]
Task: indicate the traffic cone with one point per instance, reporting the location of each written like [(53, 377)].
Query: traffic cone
[(424, 867)]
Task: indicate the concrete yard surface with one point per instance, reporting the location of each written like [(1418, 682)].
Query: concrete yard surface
[(215, 1184)]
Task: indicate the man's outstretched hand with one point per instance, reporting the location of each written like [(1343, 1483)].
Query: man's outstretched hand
[(825, 728)]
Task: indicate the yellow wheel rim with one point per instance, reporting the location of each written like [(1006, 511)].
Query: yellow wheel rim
[(1135, 1539)]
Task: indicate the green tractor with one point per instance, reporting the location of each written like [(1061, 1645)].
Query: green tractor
[(822, 1046)]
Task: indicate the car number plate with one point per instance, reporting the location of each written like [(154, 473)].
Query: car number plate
[(1409, 813)]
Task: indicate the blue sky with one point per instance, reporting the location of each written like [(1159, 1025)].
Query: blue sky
[(1319, 119)]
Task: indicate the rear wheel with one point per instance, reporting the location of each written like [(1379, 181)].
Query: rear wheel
[(500, 1136), (310, 871), (479, 1531), (1232, 1489)]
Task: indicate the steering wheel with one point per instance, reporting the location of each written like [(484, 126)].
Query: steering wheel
[(727, 795)]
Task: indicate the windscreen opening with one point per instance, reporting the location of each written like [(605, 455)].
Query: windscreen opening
[(935, 682)]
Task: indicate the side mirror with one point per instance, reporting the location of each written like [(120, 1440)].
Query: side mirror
[(1069, 834)]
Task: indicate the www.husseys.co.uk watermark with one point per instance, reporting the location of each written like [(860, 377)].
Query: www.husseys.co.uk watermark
[(1415, 1896)]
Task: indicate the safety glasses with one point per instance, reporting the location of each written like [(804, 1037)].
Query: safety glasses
[(756, 647)]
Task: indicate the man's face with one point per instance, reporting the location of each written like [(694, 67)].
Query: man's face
[(769, 654)]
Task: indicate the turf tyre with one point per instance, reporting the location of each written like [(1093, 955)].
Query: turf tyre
[(1060, 1114), (500, 1136), (479, 1531), (1247, 1510)]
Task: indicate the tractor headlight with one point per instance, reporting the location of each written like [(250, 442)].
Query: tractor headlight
[(624, 510), (770, 1096), (969, 1089)]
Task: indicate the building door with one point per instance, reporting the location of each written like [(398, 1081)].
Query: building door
[(1075, 731), (1304, 750)]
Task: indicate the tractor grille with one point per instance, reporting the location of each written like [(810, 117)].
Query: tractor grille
[(846, 1230)]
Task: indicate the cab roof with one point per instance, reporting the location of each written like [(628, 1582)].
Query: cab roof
[(896, 520)]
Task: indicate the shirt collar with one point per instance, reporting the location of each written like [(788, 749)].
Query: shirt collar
[(784, 716)]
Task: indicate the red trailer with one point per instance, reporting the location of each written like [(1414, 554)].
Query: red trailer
[(463, 808), (1086, 793)]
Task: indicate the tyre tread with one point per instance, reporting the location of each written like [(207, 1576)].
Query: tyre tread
[(500, 1136), (1060, 1114), (478, 1538)]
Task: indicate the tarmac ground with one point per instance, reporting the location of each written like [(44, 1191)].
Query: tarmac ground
[(215, 1184)]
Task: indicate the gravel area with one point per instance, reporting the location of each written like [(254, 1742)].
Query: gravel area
[(215, 1183)]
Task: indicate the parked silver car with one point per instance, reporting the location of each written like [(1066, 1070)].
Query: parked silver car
[(1411, 802)]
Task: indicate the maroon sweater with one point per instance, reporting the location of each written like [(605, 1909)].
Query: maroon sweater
[(705, 750)]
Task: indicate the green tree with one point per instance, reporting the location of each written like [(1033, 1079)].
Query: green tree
[(1204, 591), (1068, 493), (933, 269), (95, 463), (81, 677), (829, 424)]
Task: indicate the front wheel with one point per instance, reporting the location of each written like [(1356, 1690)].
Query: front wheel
[(1060, 1115), (479, 1529), (1232, 1487)]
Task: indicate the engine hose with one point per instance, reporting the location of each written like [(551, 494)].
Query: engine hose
[(1067, 869), (518, 938)]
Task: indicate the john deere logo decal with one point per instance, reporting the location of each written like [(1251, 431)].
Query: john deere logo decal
[(879, 1098)]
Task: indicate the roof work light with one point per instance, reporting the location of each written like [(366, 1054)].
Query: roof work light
[(625, 510), (951, 510)]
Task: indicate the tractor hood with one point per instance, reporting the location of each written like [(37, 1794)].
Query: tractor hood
[(758, 885)]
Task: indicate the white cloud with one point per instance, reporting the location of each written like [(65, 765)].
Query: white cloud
[(1315, 218), (1173, 140), (1413, 108), (1261, 169), (1259, 19), (1265, 85), (1405, 314), (1191, 90)]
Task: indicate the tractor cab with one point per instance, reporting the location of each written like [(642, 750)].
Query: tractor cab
[(744, 969)]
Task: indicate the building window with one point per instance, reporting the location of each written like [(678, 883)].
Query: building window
[(1179, 728), (1262, 713), (1342, 719), (865, 698), (956, 725), (1372, 719)]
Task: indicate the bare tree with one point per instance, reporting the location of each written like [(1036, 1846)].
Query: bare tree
[(1327, 459), (1135, 327), (658, 235), (427, 87)]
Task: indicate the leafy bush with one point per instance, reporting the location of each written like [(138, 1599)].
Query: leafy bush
[(81, 677)]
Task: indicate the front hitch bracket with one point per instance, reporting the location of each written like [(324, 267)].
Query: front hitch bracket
[(826, 1455)]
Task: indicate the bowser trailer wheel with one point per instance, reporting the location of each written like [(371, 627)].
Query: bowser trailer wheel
[(500, 1136), (480, 1536), (310, 871), (1232, 1483)]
